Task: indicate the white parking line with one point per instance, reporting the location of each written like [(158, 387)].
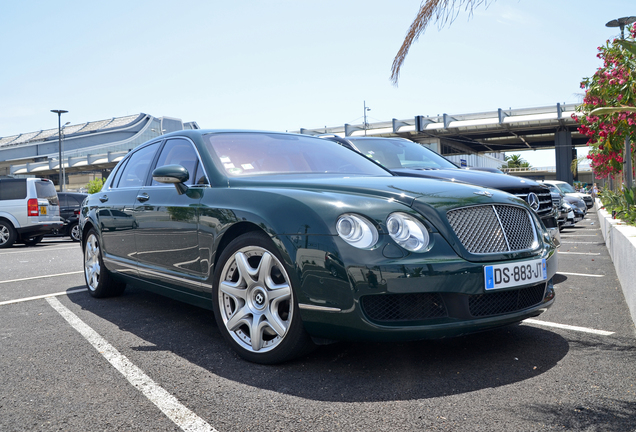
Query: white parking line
[(40, 249), (579, 253), (168, 404), (41, 277), (579, 274), (25, 299), (578, 235), (569, 327), (575, 242)]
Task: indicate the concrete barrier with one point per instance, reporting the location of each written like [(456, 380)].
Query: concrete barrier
[(620, 240)]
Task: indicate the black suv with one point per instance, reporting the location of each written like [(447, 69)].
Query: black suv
[(404, 157), (70, 204)]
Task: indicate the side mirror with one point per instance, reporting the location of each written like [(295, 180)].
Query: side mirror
[(175, 174)]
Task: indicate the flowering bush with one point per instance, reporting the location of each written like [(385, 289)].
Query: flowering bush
[(608, 112)]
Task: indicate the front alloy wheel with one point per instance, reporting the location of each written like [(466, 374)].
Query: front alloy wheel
[(98, 279), (254, 302)]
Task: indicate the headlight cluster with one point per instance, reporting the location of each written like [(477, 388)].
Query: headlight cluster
[(404, 229), (357, 231), (408, 232)]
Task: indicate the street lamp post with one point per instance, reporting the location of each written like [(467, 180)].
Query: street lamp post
[(366, 125), (59, 136)]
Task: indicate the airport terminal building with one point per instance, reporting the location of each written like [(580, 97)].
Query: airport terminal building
[(90, 149)]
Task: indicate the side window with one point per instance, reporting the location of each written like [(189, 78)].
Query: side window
[(11, 189), (179, 151), (136, 170), (63, 200)]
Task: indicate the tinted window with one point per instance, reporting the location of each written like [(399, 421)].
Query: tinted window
[(246, 154), (393, 153), (45, 189), (11, 189), (135, 172), (63, 200), (180, 152), (75, 200)]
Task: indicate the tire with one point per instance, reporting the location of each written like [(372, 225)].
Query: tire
[(32, 241), (99, 281), (74, 232), (254, 303), (7, 234)]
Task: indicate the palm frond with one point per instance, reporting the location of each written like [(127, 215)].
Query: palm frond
[(441, 11)]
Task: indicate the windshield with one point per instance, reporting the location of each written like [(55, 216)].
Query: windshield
[(397, 153), (249, 153), (566, 188)]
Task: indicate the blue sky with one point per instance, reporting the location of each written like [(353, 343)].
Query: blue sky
[(286, 64)]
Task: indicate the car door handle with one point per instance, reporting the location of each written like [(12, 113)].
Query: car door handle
[(103, 198), (143, 197)]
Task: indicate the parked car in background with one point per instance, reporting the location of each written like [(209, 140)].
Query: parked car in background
[(579, 207), (293, 241), (70, 204), (410, 159), (567, 189), (28, 210)]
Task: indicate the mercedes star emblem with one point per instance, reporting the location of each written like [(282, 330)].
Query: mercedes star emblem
[(533, 200)]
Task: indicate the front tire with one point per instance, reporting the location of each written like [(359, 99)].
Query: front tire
[(7, 234), (98, 279), (254, 303)]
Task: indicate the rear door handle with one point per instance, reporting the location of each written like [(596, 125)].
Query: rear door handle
[(103, 198), (143, 197)]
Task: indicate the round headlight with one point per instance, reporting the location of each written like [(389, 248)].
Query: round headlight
[(357, 231), (408, 232)]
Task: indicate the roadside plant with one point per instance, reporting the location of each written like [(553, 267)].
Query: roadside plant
[(95, 185), (608, 112), (621, 204)]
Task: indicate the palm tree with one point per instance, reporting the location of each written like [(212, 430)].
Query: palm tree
[(440, 11), (516, 161)]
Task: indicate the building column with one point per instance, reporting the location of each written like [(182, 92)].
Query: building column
[(563, 152)]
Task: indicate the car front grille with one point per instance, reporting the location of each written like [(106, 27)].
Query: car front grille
[(392, 308), (488, 229), (500, 302)]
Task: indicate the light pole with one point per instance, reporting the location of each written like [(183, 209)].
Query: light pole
[(366, 125), (59, 136)]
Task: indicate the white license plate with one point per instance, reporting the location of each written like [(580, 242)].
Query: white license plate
[(515, 274)]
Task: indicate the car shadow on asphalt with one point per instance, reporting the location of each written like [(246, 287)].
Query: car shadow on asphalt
[(340, 372)]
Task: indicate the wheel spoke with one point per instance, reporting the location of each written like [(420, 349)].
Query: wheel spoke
[(240, 317), (265, 268), (275, 323), (246, 271), (234, 290)]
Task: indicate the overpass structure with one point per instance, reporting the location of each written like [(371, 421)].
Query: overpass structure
[(484, 133), (89, 146)]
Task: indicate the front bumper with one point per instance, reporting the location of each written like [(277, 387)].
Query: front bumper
[(412, 298)]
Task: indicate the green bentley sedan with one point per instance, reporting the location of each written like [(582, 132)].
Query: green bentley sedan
[(294, 242)]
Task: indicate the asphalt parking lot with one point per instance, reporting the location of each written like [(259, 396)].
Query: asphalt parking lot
[(141, 362)]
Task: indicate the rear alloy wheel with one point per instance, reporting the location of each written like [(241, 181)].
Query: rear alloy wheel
[(254, 302), (98, 279), (7, 234), (74, 232), (32, 241)]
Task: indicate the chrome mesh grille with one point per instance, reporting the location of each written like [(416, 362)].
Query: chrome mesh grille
[(493, 228)]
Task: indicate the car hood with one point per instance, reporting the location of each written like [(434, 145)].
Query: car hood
[(407, 190), (479, 178)]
